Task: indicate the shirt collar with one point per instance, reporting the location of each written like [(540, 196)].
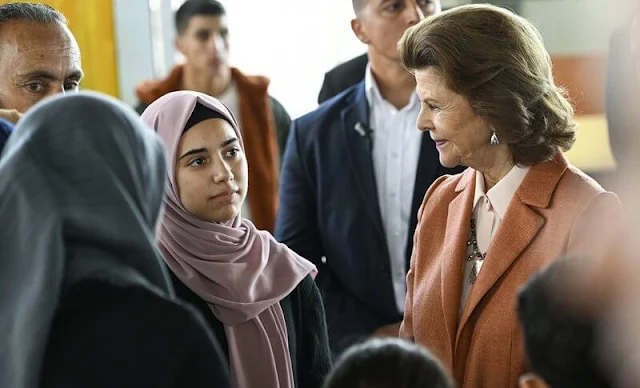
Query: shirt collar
[(371, 86), (501, 194), (372, 92)]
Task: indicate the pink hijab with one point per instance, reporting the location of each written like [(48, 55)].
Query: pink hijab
[(241, 272)]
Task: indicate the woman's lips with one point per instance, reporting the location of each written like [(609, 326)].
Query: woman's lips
[(225, 196), (440, 143)]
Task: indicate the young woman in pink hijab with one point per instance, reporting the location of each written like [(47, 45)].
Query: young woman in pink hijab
[(257, 295)]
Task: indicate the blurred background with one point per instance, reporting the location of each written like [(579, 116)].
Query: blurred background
[(294, 42)]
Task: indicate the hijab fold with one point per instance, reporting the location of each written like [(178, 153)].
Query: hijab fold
[(242, 273)]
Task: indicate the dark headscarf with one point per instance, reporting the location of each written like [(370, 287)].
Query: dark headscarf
[(201, 113), (81, 187)]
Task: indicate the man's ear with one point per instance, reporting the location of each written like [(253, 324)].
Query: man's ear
[(356, 27), (178, 44), (531, 380)]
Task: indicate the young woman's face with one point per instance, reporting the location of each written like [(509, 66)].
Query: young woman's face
[(211, 171)]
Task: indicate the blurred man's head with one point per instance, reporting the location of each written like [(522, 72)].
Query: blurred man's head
[(388, 363), (560, 340), (39, 56), (381, 23), (202, 38)]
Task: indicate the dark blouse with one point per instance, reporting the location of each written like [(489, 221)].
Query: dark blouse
[(304, 316)]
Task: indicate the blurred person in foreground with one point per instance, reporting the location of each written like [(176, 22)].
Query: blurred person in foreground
[(85, 300), (610, 287), (388, 363), (623, 90), (561, 341)]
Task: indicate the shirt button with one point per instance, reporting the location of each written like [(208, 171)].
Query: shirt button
[(323, 260), (393, 195), (394, 155)]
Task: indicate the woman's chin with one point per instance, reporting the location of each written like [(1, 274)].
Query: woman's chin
[(224, 214), (447, 162)]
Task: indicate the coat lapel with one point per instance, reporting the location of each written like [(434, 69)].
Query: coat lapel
[(518, 228), (360, 155), (455, 251)]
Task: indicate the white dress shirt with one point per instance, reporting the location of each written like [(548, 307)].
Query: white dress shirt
[(489, 209), (230, 99), (396, 150)]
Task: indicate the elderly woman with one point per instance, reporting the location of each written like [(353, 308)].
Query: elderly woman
[(490, 103)]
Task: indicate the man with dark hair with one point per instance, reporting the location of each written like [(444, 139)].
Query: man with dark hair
[(388, 363), (352, 71), (39, 57), (203, 40), (560, 340), (353, 177)]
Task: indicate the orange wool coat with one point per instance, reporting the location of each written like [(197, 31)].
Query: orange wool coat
[(556, 210)]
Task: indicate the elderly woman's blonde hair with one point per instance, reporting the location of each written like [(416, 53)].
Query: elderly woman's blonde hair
[(497, 60)]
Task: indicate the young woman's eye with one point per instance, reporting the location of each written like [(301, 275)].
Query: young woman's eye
[(233, 153), (197, 162)]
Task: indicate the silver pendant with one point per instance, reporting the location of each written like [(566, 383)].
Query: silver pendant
[(475, 271)]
